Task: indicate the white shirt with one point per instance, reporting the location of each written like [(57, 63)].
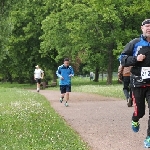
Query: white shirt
[(37, 73)]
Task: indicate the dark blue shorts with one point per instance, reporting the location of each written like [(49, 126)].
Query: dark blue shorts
[(65, 88)]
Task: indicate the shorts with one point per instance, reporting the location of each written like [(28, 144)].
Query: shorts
[(38, 81), (65, 88)]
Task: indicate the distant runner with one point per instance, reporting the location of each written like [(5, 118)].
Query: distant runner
[(38, 75), (65, 72), (124, 76)]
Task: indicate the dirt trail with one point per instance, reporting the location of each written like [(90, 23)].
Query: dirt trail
[(104, 123)]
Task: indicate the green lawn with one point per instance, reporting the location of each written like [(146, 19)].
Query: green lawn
[(104, 90), (85, 85), (27, 121), (16, 85)]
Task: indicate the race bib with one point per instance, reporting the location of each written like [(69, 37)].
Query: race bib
[(145, 72)]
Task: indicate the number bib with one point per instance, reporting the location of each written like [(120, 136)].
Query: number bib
[(145, 72)]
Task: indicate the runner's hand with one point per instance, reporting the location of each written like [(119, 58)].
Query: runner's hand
[(120, 80), (70, 75), (140, 57), (61, 78)]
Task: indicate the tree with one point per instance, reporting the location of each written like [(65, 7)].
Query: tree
[(89, 32), (24, 41)]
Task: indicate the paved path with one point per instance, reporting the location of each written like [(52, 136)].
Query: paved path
[(104, 123)]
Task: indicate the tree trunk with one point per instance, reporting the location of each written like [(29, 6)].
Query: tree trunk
[(20, 80), (9, 77), (110, 64), (54, 76), (31, 80), (102, 75), (96, 74)]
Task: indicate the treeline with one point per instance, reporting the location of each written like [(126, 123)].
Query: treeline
[(91, 33)]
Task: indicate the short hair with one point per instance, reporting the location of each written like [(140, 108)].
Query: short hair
[(66, 59)]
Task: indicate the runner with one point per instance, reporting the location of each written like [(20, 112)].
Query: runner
[(124, 76), (65, 72), (38, 75), (137, 54)]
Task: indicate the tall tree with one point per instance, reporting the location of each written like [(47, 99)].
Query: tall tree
[(24, 41)]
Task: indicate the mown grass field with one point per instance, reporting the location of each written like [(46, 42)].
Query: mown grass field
[(82, 84), (85, 85), (16, 85), (27, 121)]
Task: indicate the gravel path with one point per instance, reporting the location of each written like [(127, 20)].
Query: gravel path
[(104, 123)]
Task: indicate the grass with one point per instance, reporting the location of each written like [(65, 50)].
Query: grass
[(16, 85), (104, 90), (27, 121), (86, 81), (85, 85)]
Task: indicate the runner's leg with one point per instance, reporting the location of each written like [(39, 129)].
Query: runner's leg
[(139, 95), (126, 82), (68, 89), (148, 101), (63, 91)]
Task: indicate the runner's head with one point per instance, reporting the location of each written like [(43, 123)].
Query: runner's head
[(146, 28), (66, 62), (37, 66)]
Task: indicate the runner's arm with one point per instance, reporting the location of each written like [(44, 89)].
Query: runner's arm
[(72, 72), (58, 72), (42, 73), (120, 72), (127, 59)]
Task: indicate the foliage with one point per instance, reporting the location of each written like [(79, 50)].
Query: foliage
[(91, 33)]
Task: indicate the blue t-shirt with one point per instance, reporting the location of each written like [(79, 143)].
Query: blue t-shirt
[(64, 72)]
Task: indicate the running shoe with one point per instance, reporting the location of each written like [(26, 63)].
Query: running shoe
[(66, 104), (61, 100), (147, 142), (135, 126), (129, 102)]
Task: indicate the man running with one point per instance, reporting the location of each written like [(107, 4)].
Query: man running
[(65, 72), (124, 76), (38, 75), (137, 54)]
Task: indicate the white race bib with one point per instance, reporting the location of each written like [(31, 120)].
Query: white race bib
[(145, 72)]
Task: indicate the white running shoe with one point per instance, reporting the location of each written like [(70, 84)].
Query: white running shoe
[(66, 104)]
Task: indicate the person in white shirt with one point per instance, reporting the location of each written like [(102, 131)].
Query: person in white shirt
[(38, 75)]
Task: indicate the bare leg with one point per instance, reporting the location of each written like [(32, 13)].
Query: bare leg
[(67, 99), (67, 96), (63, 95), (38, 87)]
